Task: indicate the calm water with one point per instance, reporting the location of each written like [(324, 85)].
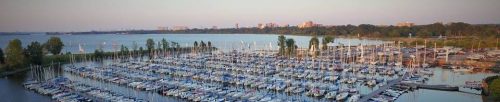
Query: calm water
[(222, 41), (13, 91), (446, 76)]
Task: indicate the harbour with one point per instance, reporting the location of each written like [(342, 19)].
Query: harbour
[(257, 75)]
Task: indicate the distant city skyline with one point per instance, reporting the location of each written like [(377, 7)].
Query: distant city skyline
[(106, 15)]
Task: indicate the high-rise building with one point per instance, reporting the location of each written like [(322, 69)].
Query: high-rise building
[(179, 28), (237, 26), (162, 28), (307, 24), (271, 25), (261, 26), (405, 24)]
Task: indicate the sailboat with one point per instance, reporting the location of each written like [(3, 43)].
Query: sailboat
[(424, 63)]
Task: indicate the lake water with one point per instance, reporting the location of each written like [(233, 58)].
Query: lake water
[(221, 41), (12, 86), (13, 91), (447, 76)]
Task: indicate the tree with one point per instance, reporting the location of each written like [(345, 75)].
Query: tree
[(175, 45), (209, 44), (281, 44), (98, 54), (195, 45), (2, 57), (494, 88), (290, 47), (458, 28), (54, 45), (326, 40), (134, 46), (122, 50), (141, 51), (159, 47), (34, 53), (436, 29), (314, 44), (150, 44), (424, 33), (165, 44), (203, 45), (366, 29), (14, 54), (125, 50)]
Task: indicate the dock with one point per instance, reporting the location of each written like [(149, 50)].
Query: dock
[(382, 89), (433, 87)]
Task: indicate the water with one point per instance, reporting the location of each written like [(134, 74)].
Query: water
[(12, 86), (13, 91), (447, 76), (221, 41)]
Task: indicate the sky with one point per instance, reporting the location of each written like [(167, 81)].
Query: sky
[(103, 15)]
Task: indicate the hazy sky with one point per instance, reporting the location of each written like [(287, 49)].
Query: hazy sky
[(86, 15)]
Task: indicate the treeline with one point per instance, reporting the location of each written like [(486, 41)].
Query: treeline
[(466, 43), (161, 47), (456, 29), (16, 57), (288, 48)]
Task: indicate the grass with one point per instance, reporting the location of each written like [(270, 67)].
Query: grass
[(494, 88)]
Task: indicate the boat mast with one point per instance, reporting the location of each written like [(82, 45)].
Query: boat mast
[(435, 51), (425, 50)]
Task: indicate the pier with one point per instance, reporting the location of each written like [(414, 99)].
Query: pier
[(433, 87), (382, 89)]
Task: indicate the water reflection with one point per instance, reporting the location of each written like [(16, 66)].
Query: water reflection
[(447, 76), (12, 86)]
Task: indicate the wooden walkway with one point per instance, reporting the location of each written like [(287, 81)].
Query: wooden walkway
[(382, 89)]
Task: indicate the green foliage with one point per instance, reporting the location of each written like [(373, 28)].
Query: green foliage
[(314, 42), (195, 45), (365, 30), (175, 44), (2, 57), (424, 33), (281, 44), (467, 43), (150, 44), (159, 47), (314, 45), (98, 54), (203, 45), (290, 47), (124, 50), (14, 54), (54, 45), (34, 53), (326, 40), (209, 44), (165, 44), (135, 46), (494, 89), (141, 50)]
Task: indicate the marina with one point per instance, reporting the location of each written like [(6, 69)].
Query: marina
[(249, 51), (249, 75)]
